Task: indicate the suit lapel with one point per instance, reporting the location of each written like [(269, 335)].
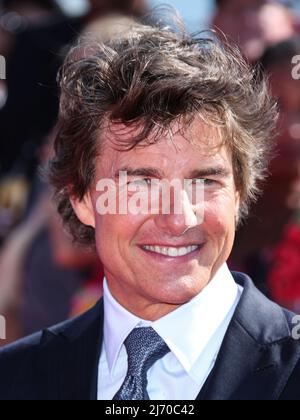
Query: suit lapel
[(250, 360), (69, 358), (243, 370)]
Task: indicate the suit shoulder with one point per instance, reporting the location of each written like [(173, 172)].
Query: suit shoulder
[(17, 361), (31, 343), (70, 328), (26, 364), (22, 363), (20, 347)]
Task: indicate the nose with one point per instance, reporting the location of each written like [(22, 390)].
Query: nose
[(176, 222)]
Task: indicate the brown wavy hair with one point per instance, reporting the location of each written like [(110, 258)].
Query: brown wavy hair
[(150, 76)]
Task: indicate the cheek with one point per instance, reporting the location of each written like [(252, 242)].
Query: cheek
[(115, 240), (116, 231), (219, 216)]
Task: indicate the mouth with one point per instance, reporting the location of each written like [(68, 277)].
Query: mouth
[(172, 252)]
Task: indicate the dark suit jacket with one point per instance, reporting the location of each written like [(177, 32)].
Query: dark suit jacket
[(259, 359)]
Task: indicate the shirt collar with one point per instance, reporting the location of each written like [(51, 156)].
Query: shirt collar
[(187, 331)]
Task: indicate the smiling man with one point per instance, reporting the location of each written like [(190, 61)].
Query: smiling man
[(174, 322)]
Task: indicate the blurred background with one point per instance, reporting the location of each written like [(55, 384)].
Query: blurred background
[(44, 278)]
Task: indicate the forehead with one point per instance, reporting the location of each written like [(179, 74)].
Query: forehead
[(180, 148)]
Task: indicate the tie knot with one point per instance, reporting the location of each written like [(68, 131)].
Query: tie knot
[(144, 348)]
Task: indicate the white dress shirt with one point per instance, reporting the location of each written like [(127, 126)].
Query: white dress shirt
[(194, 333)]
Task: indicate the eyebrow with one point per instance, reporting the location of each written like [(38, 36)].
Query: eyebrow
[(216, 171), (140, 172)]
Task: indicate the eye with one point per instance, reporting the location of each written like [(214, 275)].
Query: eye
[(140, 183), (210, 182), (204, 181)]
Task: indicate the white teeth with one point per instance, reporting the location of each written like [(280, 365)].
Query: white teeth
[(172, 252)]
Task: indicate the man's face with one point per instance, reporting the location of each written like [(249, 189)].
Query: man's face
[(146, 280)]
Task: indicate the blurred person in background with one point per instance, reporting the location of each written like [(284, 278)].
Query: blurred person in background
[(54, 270), (255, 24), (30, 111), (284, 275), (281, 201), (16, 17), (44, 269), (267, 30), (272, 214), (41, 271)]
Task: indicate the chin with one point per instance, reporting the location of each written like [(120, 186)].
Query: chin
[(180, 291)]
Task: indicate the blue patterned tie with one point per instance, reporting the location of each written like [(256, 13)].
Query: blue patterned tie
[(144, 347)]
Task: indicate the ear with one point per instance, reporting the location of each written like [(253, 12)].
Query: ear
[(84, 210)]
